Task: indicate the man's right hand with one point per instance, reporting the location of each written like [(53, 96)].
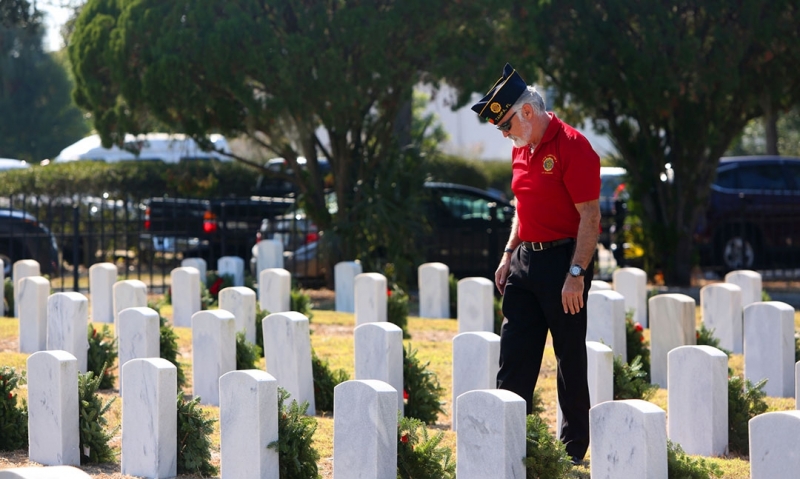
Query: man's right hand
[(501, 275)]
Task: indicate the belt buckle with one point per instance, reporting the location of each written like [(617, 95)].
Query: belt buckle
[(540, 248)]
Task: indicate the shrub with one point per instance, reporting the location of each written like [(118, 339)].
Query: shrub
[(537, 405), (324, 382), (545, 455), (745, 401), (168, 344), (636, 344), (498, 316), (94, 435), (194, 438), (260, 315), (455, 169), (297, 457), (421, 389), (452, 285), (301, 302), (397, 308), (420, 456), (101, 355), (8, 296), (630, 381), (681, 466), (209, 296), (13, 418), (796, 347), (705, 337), (247, 353)]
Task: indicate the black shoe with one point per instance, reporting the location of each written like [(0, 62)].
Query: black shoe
[(576, 461)]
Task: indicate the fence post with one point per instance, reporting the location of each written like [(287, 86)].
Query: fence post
[(75, 250)]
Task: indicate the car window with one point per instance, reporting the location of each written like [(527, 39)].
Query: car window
[(465, 206), (762, 177), (726, 178), (793, 173), (609, 184)]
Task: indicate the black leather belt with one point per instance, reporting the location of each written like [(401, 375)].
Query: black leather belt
[(547, 244)]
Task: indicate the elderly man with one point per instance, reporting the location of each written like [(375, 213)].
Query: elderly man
[(547, 268)]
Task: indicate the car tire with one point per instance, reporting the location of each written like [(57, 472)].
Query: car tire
[(739, 251)]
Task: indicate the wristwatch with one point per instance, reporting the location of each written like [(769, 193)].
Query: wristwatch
[(575, 270)]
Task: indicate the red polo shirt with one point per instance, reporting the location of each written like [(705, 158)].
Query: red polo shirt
[(563, 170)]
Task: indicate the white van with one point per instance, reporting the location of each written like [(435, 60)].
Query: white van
[(169, 148)]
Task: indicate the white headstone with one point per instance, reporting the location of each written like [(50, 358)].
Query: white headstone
[(138, 337), (628, 440), (51, 472), (275, 290), (475, 305), (129, 293), (67, 322), (476, 360), (599, 285), (344, 277), (53, 411), (185, 295), (22, 269), (672, 324), (150, 418), (270, 255), (371, 305), (773, 445), (213, 352), (631, 283), (721, 304), (698, 400), (769, 346), (287, 349), (491, 435), (379, 355), (364, 445), (606, 321), (749, 282), (248, 423), (102, 277), (33, 294), (241, 302), (197, 263), (434, 290), (232, 266), (599, 376)]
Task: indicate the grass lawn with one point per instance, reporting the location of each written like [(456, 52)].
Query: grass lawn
[(332, 339)]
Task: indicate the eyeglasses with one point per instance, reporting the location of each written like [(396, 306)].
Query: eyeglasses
[(506, 125)]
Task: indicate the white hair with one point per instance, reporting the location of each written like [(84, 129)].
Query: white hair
[(532, 98)]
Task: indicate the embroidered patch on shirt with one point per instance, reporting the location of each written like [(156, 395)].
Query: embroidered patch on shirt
[(548, 163)]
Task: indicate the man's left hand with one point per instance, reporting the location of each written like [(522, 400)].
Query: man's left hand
[(572, 294)]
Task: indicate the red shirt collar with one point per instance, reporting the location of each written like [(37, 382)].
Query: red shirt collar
[(552, 128)]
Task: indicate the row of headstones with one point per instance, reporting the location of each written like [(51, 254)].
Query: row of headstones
[(628, 438)]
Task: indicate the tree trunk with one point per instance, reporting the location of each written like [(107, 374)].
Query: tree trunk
[(770, 124)]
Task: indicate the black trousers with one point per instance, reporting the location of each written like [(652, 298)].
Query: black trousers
[(532, 306)]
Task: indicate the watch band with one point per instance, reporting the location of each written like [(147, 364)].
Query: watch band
[(508, 250)]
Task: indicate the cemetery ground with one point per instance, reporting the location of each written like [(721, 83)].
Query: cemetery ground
[(332, 339)]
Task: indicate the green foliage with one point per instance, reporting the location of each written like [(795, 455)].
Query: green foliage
[(13, 418), (499, 175), (765, 296), (8, 296), (453, 169), (260, 315), (324, 382), (94, 435), (681, 466), (545, 455), (300, 301), (36, 88), (631, 381), (209, 297), (194, 438), (397, 309), (452, 285), (421, 389), (297, 457), (420, 456), (101, 355), (751, 141), (705, 337), (247, 354), (796, 347), (498, 315), (537, 405), (745, 401), (168, 344), (636, 345)]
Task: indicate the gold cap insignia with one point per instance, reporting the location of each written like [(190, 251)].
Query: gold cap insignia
[(495, 107)]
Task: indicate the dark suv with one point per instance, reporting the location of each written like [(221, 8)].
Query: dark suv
[(753, 218), (469, 229), (23, 237)]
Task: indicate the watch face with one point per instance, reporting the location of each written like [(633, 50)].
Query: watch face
[(575, 270)]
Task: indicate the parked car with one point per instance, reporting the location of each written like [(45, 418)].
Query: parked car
[(613, 205), (23, 237), (753, 217), (469, 229)]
